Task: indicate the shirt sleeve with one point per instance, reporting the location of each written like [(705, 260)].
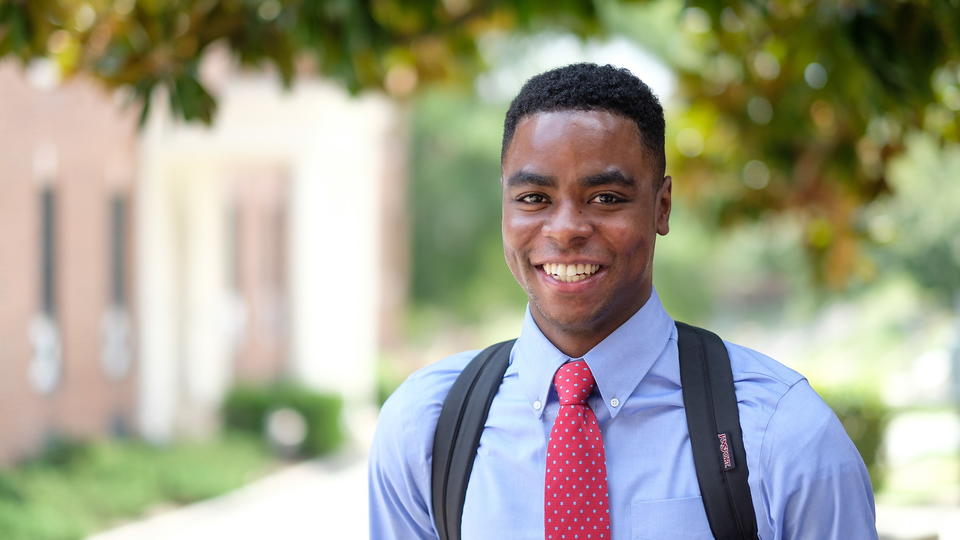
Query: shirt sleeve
[(816, 485), (399, 473)]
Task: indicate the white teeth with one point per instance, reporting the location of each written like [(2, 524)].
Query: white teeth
[(570, 272)]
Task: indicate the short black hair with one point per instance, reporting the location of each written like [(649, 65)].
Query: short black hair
[(589, 87)]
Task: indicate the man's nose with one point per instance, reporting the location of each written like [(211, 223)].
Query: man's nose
[(567, 225)]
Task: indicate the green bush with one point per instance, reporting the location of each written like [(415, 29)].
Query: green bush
[(864, 416), (75, 489), (389, 374), (246, 408)]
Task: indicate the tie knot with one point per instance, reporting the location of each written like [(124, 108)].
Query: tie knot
[(574, 382)]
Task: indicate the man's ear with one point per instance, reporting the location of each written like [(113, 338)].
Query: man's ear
[(663, 205)]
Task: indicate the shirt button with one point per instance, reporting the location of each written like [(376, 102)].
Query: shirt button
[(537, 404), (614, 402)]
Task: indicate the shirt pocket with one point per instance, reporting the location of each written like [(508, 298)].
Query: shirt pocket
[(670, 519)]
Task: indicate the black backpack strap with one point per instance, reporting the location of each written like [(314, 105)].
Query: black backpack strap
[(713, 420), (459, 427)]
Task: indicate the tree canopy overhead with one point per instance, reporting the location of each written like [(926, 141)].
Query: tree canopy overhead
[(799, 106), (784, 105), (392, 45)]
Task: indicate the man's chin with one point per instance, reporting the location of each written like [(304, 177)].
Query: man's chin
[(576, 321)]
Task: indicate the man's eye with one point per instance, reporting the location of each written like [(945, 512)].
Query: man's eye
[(532, 198), (608, 198)]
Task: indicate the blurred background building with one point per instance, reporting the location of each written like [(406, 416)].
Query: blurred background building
[(148, 271), (69, 276)]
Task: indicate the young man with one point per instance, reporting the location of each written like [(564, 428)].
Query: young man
[(584, 197)]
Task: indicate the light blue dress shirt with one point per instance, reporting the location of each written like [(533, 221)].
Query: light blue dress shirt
[(806, 478)]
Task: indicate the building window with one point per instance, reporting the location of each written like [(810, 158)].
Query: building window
[(118, 251), (46, 363), (48, 252), (117, 333), (237, 309), (234, 249)]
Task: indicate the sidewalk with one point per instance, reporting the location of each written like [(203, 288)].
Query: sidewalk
[(317, 499)]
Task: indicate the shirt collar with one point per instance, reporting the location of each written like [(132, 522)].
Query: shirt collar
[(618, 363)]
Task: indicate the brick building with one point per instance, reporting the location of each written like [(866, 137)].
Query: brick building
[(146, 271), (66, 305)]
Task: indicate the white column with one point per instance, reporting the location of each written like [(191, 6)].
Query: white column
[(203, 311), (156, 290), (335, 239)]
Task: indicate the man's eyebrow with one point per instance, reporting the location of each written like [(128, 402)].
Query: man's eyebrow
[(522, 178), (608, 178)]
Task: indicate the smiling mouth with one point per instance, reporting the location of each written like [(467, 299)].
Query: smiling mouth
[(569, 273)]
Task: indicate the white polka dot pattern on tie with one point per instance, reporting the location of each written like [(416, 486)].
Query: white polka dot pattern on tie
[(576, 500)]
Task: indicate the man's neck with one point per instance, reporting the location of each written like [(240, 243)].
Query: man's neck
[(576, 342)]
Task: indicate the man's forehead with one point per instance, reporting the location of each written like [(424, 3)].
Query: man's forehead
[(581, 136)]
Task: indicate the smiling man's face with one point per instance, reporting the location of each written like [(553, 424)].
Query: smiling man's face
[(582, 205)]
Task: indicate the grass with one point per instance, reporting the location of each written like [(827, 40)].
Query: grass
[(932, 479), (78, 489)]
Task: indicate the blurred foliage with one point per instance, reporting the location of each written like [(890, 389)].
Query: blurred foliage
[(798, 107), (390, 373), (386, 385), (387, 44), (918, 230), (865, 417), (76, 489), (455, 201), (247, 407)]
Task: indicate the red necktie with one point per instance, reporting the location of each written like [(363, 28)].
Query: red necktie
[(576, 499)]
